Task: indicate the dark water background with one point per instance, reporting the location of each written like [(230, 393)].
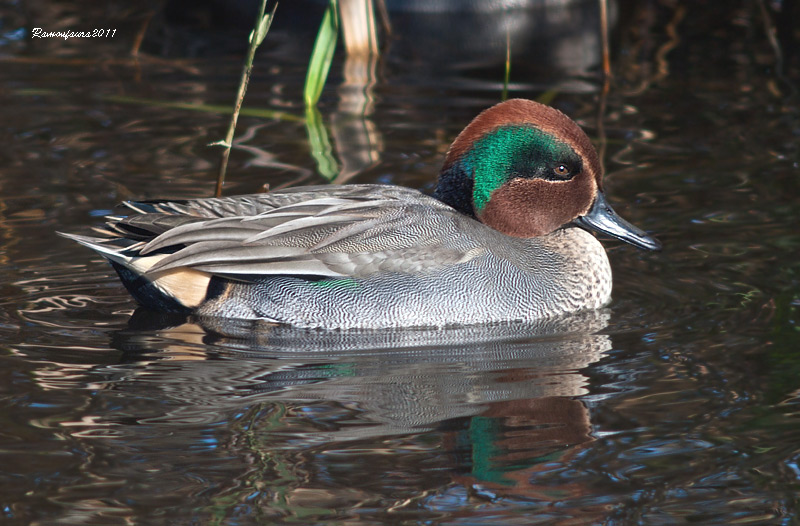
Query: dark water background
[(677, 404)]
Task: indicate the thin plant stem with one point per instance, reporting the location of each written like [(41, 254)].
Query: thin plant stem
[(507, 75), (256, 38), (605, 43), (601, 107)]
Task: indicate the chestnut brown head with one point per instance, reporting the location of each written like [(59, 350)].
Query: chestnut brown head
[(526, 169)]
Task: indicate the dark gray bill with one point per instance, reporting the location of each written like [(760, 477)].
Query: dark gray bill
[(602, 218)]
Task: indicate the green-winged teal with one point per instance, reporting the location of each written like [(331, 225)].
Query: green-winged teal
[(503, 238)]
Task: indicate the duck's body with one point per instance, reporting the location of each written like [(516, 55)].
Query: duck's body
[(373, 256)]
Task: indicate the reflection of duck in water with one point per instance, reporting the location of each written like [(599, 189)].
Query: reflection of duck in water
[(401, 381), (477, 407), (388, 415), (498, 242)]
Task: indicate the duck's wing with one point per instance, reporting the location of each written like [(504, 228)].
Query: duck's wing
[(155, 217), (255, 204), (349, 231)]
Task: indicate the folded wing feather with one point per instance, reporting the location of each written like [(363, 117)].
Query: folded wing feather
[(348, 231)]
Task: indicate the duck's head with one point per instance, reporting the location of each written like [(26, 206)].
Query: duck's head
[(526, 169)]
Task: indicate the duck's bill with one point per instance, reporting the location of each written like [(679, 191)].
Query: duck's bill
[(602, 218)]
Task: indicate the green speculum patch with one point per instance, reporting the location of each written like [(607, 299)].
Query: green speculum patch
[(511, 152), (344, 283)]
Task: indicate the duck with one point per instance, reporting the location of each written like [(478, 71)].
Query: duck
[(505, 237)]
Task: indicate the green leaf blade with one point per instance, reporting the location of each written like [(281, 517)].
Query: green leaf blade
[(322, 55)]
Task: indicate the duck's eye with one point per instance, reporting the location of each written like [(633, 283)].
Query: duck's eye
[(562, 170)]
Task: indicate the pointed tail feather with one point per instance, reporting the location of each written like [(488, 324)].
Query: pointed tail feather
[(103, 246), (182, 286)]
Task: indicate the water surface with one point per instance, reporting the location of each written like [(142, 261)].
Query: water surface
[(677, 403)]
